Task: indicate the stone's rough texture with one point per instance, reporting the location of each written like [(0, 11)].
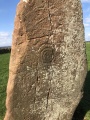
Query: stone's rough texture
[(48, 61)]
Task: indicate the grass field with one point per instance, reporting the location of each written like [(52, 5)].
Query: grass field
[(88, 54), (87, 85), (4, 65)]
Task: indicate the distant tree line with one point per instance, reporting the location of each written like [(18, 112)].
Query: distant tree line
[(5, 50)]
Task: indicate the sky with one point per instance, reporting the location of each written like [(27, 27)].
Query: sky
[(7, 15)]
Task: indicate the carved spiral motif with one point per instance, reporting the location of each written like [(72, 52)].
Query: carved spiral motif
[(47, 55)]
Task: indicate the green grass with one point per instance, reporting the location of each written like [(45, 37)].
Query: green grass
[(87, 86), (87, 117), (4, 65), (88, 53)]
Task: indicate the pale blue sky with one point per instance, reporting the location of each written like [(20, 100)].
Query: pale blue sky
[(7, 15)]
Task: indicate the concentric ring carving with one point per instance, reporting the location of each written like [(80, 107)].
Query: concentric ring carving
[(47, 54)]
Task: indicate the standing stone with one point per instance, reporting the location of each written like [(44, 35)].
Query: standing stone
[(48, 61)]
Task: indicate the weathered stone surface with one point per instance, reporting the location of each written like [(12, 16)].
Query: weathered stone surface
[(48, 61)]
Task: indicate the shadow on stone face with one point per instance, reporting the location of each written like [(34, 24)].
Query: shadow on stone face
[(84, 105)]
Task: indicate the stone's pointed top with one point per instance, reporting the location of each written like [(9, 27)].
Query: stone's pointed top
[(25, 1)]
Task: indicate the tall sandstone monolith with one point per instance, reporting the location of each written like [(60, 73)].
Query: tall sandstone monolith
[(48, 61)]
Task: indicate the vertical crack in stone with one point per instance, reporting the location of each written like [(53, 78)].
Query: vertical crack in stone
[(36, 82), (49, 15), (49, 71), (47, 98), (48, 93)]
